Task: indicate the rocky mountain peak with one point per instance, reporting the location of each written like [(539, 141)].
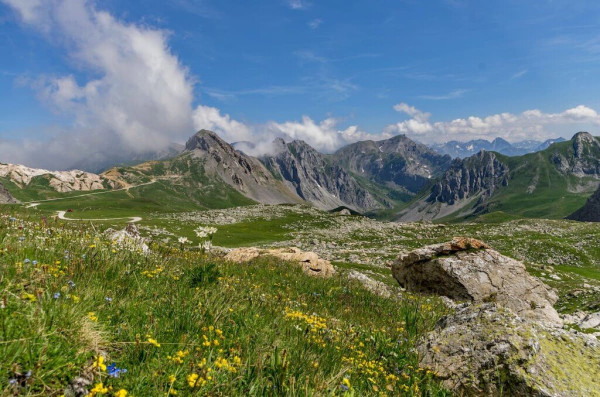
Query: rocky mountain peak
[(584, 143), (317, 179), (204, 139)]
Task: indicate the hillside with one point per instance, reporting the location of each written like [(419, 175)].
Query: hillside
[(548, 184), (107, 316), (590, 212)]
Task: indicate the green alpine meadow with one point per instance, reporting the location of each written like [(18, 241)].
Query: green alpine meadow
[(299, 198)]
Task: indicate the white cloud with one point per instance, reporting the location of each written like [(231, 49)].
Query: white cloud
[(140, 99), (315, 23), (209, 118), (297, 4), (530, 124), (412, 111), (29, 10)]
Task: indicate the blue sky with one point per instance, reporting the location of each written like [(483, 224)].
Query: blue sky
[(329, 72)]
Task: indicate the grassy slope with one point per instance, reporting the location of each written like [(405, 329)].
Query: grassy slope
[(551, 198), (555, 195), (194, 191), (278, 331)]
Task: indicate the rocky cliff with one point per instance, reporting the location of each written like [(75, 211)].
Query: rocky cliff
[(581, 157), (479, 175), (317, 179)]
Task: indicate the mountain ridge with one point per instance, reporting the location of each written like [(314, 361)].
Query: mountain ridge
[(466, 149), (550, 183)]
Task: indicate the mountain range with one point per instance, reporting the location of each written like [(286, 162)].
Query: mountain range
[(397, 178), (500, 145)]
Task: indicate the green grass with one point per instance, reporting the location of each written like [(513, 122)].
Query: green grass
[(277, 330)]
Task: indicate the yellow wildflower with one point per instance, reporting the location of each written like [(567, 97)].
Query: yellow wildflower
[(121, 393), (99, 363), (98, 389), (153, 341), (194, 380), (29, 297), (92, 316), (346, 382)]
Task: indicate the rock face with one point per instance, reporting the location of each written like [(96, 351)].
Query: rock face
[(6, 197), (244, 173), (61, 181), (487, 350), (316, 179), (582, 157), (468, 270), (399, 162), (310, 262), (590, 212), (479, 175)]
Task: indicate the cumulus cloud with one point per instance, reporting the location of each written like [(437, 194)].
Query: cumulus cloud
[(209, 118), (530, 124), (140, 98)]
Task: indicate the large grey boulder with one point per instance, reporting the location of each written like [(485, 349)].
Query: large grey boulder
[(468, 270), (486, 350)]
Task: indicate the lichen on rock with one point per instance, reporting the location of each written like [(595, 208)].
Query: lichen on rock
[(484, 349)]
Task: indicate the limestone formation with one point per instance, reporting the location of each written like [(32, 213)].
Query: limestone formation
[(469, 270), (310, 262), (61, 181)]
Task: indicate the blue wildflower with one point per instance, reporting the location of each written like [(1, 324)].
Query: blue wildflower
[(34, 262), (26, 261), (56, 295), (108, 299), (113, 371)]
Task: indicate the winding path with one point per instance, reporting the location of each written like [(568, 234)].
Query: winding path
[(35, 203), (61, 214), (134, 219)]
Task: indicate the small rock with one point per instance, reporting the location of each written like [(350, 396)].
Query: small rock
[(310, 262)]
